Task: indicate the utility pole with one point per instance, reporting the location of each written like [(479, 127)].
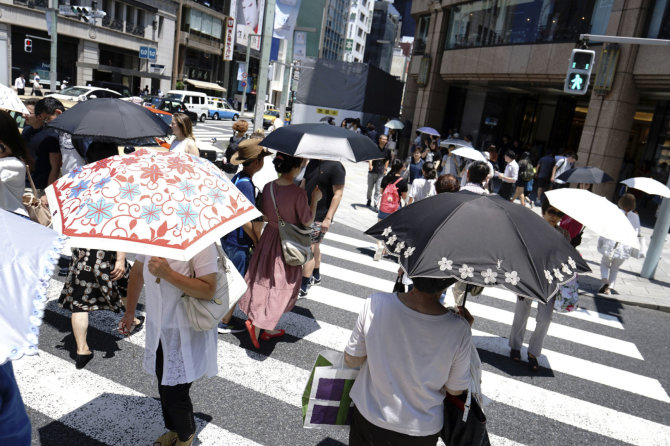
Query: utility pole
[(266, 43), (285, 91), (246, 70), (53, 75)]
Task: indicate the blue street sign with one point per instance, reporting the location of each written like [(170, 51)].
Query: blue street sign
[(144, 52), (152, 54)]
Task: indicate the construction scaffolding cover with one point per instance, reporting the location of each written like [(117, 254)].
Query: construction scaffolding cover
[(348, 86)]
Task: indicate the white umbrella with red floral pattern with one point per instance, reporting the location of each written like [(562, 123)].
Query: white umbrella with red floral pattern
[(166, 204)]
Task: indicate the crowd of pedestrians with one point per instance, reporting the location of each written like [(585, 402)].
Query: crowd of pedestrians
[(405, 373)]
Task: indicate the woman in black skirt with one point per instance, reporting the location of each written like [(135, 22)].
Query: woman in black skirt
[(96, 280)]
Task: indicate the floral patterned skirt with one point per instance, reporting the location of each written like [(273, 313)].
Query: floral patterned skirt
[(88, 286), (567, 298)]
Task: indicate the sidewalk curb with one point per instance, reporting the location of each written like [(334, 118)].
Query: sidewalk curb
[(634, 301)]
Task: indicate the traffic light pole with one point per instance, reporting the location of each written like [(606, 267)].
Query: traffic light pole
[(266, 44), (53, 75), (663, 220)]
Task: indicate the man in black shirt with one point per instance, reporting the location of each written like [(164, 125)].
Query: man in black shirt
[(329, 176), (377, 170), (44, 147)]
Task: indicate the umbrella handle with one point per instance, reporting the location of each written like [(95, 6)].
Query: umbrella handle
[(468, 287)]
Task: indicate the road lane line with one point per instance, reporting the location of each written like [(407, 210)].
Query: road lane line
[(361, 259), (99, 407)]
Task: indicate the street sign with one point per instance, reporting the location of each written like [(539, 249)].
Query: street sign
[(579, 71), (152, 54), (349, 45), (144, 52), (229, 44), (244, 84), (244, 75)]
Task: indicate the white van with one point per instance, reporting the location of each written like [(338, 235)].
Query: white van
[(195, 101)]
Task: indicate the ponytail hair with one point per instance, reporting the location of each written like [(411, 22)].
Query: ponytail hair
[(285, 163), (429, 171), (396, 166)]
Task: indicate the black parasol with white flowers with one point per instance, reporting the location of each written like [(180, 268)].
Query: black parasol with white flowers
[(482, 240)]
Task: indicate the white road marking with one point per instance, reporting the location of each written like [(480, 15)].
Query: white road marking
[(99, 407), (574, 412), (356, 278), (361, 259)]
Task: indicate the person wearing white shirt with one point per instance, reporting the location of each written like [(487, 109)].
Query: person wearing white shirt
[(174, 351), (510, 176), (13, 158), (423, 187), (412, 351), (20, 85)]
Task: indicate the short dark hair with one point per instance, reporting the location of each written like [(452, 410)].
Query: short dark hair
[(48, 105), (12, 138), (432, 285), (30, 101), (477, 172), (99, 150), (511, 154), (428, 170), (447, 183), (396, 165), (572, 155), (286, 163)]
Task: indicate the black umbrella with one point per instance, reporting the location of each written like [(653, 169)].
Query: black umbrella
[(322, 142), (588, 175), (110, 120), (481, 240)]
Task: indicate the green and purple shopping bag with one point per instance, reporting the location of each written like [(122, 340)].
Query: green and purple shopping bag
[(326, 401)]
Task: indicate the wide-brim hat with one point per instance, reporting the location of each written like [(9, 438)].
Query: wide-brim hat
[(248, 150)]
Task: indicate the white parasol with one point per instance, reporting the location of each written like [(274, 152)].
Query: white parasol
[(10, 101), (648, 185)]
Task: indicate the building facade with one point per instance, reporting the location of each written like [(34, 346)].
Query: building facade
[(107, 51), (383, 35), (358, 26), (492, 68)]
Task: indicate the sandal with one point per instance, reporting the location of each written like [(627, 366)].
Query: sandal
[(252, 333), (185, 443), (515, 355), (532, 364), (167, 439), (603, 289), (265, 336)]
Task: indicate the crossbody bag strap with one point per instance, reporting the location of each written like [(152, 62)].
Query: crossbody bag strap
[(272, 194), (30, 179)]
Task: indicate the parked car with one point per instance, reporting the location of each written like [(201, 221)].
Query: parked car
[(173, 106), (269, 116), (119, 88), (221, 110), (82, 93)]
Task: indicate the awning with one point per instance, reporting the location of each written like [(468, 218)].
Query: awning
[(205, 85)]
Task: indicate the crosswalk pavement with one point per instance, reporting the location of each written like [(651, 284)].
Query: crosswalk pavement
[(212, 129), (593, 387)]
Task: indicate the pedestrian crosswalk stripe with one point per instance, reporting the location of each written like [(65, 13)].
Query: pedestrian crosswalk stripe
[(355, 277), (351, 241), (89, 403), (580, 368), (361, 259), (574, 412), (557, 330), (336, 299), (580, 313)]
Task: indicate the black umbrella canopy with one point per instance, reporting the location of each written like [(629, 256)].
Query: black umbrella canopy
[(483, 240), (587, 175), (110, 120), (322, 142)]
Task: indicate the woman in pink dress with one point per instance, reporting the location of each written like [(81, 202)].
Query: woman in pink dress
[(273, 285)]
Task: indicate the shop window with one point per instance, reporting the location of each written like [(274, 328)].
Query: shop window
[(499, 22), (421, 34)]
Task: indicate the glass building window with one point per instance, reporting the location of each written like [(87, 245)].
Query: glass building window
[(503, 22), (421, 34), (659, 26)]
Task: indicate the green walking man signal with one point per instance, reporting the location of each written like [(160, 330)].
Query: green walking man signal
[(579, 71)]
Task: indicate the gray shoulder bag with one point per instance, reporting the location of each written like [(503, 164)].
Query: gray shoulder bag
[(296, 244)]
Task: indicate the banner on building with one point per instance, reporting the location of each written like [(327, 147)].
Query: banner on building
[(286, 14), (229, 42), (249, 20), (299, 45)]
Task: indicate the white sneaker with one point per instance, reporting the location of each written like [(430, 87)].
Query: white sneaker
[(378, 253)]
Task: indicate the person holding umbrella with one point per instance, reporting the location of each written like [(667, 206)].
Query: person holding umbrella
[(614, 253), (273, 284), (545, 311), (184, 140)]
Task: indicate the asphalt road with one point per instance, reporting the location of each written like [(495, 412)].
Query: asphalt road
[(604, 379)]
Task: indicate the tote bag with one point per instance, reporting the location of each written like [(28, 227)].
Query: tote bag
[(203, 314), (296, 245)]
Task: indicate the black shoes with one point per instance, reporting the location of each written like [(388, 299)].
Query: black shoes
[(81, 360)]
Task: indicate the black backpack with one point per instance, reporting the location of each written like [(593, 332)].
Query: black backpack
[(230, 151)]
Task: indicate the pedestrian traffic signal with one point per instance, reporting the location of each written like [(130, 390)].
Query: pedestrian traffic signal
[(579, 71), (28, 45)]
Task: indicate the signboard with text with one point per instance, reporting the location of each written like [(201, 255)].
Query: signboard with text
[(146, 52), (229, 45)]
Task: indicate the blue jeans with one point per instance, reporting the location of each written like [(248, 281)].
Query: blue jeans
[(238, 255), (14, 422)]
